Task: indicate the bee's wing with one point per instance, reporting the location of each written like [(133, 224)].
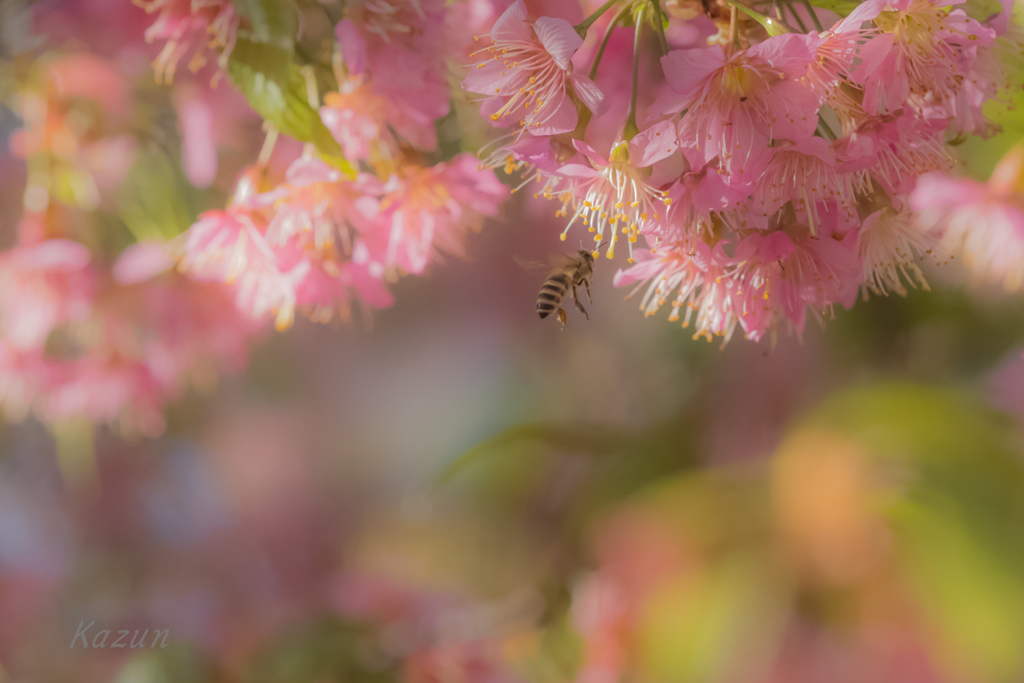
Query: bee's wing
[(553, 262), (528, 264)]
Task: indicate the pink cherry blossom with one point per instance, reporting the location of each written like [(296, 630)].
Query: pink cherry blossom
[(42, 286), (184, 24), (890, 244), (736, 104), (780, 277), (919, 49), (401, 47), (804, 174), (528, 73), (614, 191), (427, 212), (362, 122), (892, 151), (982, 221)]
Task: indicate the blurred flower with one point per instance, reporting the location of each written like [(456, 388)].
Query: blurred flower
[(183, 23), (982, 221)]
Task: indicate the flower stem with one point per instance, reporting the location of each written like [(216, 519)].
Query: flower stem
[(583, 26), (814, 17), (631, 129), (604, 40), (268, 146), (733, 36), (796, 16), (660, 26)]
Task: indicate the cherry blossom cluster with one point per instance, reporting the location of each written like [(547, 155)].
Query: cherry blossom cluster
[(87, 334), (328, 236), (767, 167)]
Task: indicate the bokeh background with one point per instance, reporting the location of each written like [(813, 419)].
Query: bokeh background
[(456, 491)]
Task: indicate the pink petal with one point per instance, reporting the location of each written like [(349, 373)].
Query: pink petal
[(198, 148), (669, 102), (559, 39), (866, 11), (937, 190), (795, 110), (589, 93), (814, 146), (577, 171), (790, 52), (685, 70), (511, 25), (309, 170), (353, 46), (560, 116), (589, 152), (57, 254), (872, 53), (491, 106), (496, 79), (141, 262), (653, 144)]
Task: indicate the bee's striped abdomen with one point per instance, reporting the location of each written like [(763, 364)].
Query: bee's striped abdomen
[(551, 294)]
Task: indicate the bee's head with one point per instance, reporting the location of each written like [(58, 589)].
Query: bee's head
[(589, 255)]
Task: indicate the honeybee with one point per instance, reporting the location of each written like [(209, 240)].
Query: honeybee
[(577, 270)]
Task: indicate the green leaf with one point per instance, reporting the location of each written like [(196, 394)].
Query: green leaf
[(152, 201), (275, 88), (272, 21), (774, 27), (840, 7)]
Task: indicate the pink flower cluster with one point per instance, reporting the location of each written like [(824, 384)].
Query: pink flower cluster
[(325, 238), (771, 178), (982, 221), (108, 345), (320, 239), (87, 334), (189, 26)]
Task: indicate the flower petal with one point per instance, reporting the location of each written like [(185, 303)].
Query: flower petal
[(795, 109), (511, 25), (589, 152), (685, 70), (589, 93), (790, 52), (495, 78), (353, 46), (559, 39), (577, 171), (653, 144), (558, 115)]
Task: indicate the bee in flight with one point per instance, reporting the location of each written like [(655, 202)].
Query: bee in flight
[(577, 270)]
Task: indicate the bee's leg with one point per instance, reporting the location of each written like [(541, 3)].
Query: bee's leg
[(586, 283), (562, 317), (576, 300)]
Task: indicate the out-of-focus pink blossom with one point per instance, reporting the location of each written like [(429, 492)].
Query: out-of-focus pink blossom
[(42, 286), (80, 344), (890, 244), (362, 122), (401, 46), (982, 221), (184, 24), (427, 212)]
